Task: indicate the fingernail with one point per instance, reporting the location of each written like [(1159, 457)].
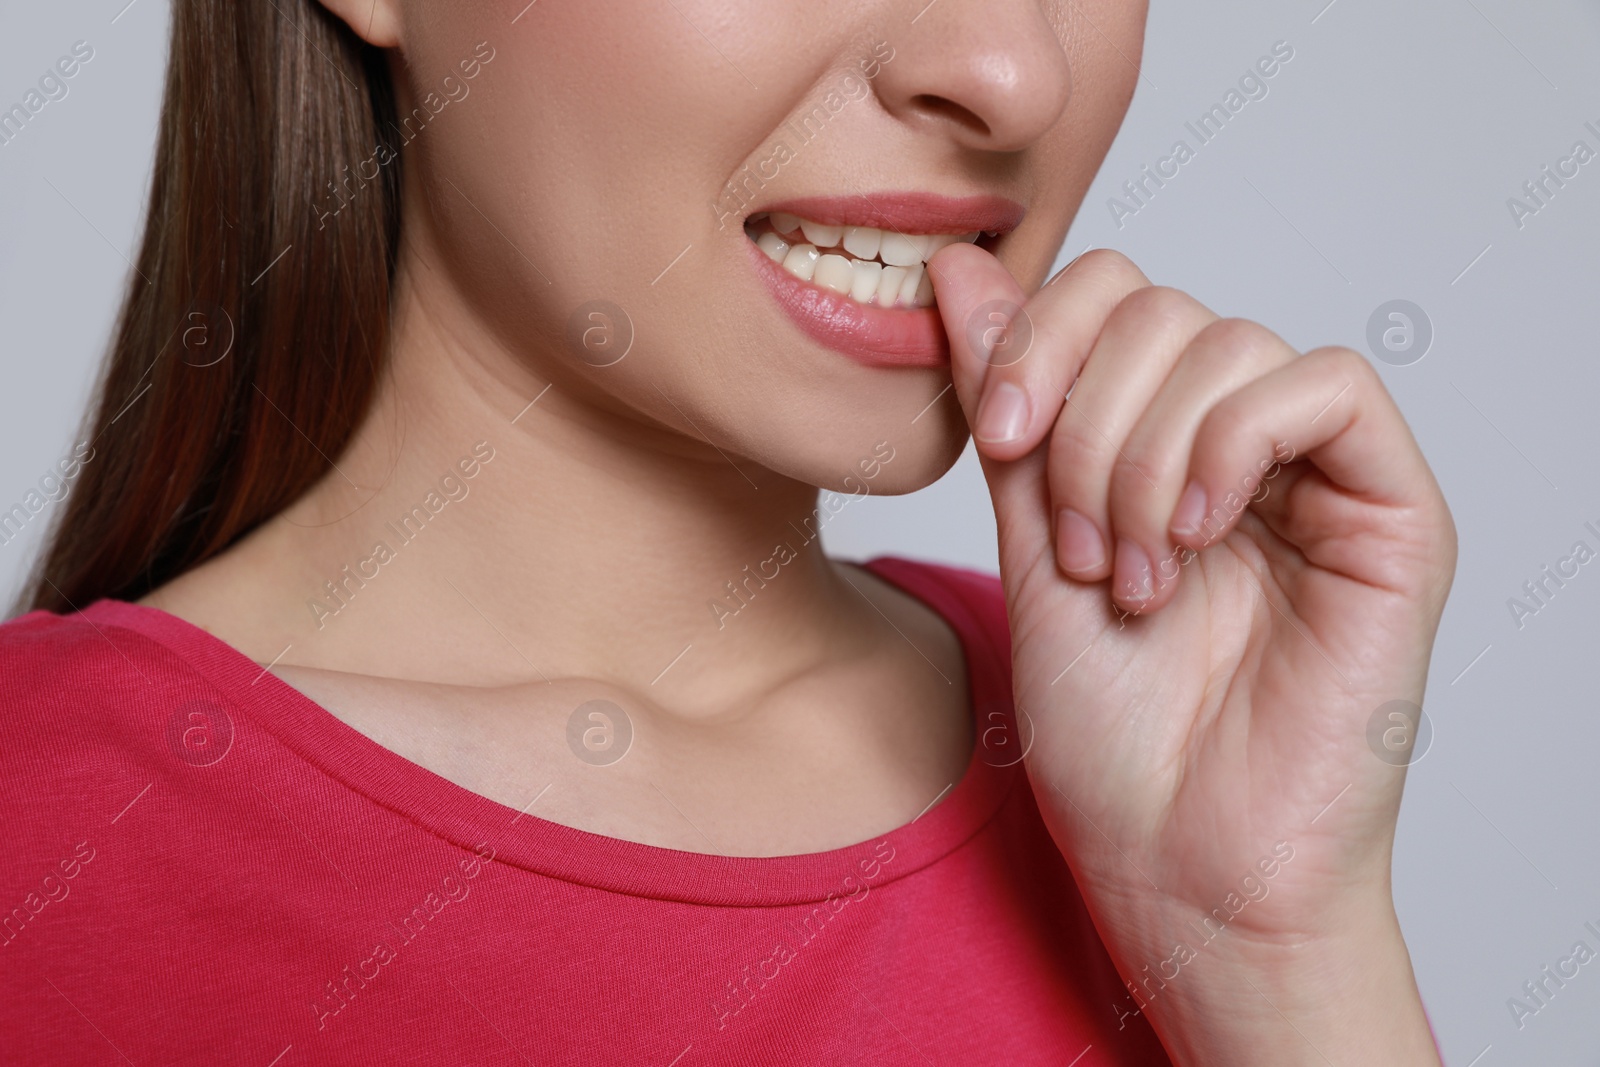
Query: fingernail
[(1132, 578), (1079, 546), (1003, 415), (1190, 512)]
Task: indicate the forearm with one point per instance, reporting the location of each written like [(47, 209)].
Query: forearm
[(1349, 999)]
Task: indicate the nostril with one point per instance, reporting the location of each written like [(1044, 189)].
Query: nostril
[(951, 111)]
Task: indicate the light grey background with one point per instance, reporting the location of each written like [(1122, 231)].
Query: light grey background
[(1378, 167)]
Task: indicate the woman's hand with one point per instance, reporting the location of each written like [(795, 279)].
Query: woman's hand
[(1220, 558)]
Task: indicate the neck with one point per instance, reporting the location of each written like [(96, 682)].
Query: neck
[(489, 527)]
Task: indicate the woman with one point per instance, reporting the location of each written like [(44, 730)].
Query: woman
[(451, 664)]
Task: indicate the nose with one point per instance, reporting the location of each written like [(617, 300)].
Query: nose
[(990, 74)]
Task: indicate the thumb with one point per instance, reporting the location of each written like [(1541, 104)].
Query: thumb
[(977, 298), (982, 307)]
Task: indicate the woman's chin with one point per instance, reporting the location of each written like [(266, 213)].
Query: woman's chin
[(912, 465)]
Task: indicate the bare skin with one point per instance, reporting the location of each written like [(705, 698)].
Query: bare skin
[(810, 701), (1208, 713)]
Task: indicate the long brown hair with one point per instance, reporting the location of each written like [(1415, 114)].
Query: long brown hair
[(250, 339)]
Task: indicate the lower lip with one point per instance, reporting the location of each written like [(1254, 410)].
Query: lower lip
[(873, 336)]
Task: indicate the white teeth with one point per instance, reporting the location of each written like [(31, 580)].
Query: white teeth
[(898, 250), (868, 273), (774, 246), (801, 261), (834, 272), (886, 268), (889, 285), (820, 235), (863, 241), (908, 285)]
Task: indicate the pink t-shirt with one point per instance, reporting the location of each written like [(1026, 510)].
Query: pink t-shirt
[(203, 866)]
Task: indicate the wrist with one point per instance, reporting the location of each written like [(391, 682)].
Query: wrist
[(1348, 996)]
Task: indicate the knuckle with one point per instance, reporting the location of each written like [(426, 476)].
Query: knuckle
[(1078, 465), (1135, 474), (1109, 265), (1242, 339), (1159, 299), (1346, 366), (1226, 426), (1348, 360), (1159, 307), (1239, 335)]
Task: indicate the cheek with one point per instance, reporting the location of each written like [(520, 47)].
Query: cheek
[(585, 168), (598, 138), (585, 162)]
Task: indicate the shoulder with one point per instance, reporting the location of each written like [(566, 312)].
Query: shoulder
[(81, 695), (44, 656)]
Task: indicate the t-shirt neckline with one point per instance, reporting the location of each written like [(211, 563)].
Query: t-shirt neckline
[(444, 809)]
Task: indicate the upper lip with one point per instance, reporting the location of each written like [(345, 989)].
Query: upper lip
[(908, 212)]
